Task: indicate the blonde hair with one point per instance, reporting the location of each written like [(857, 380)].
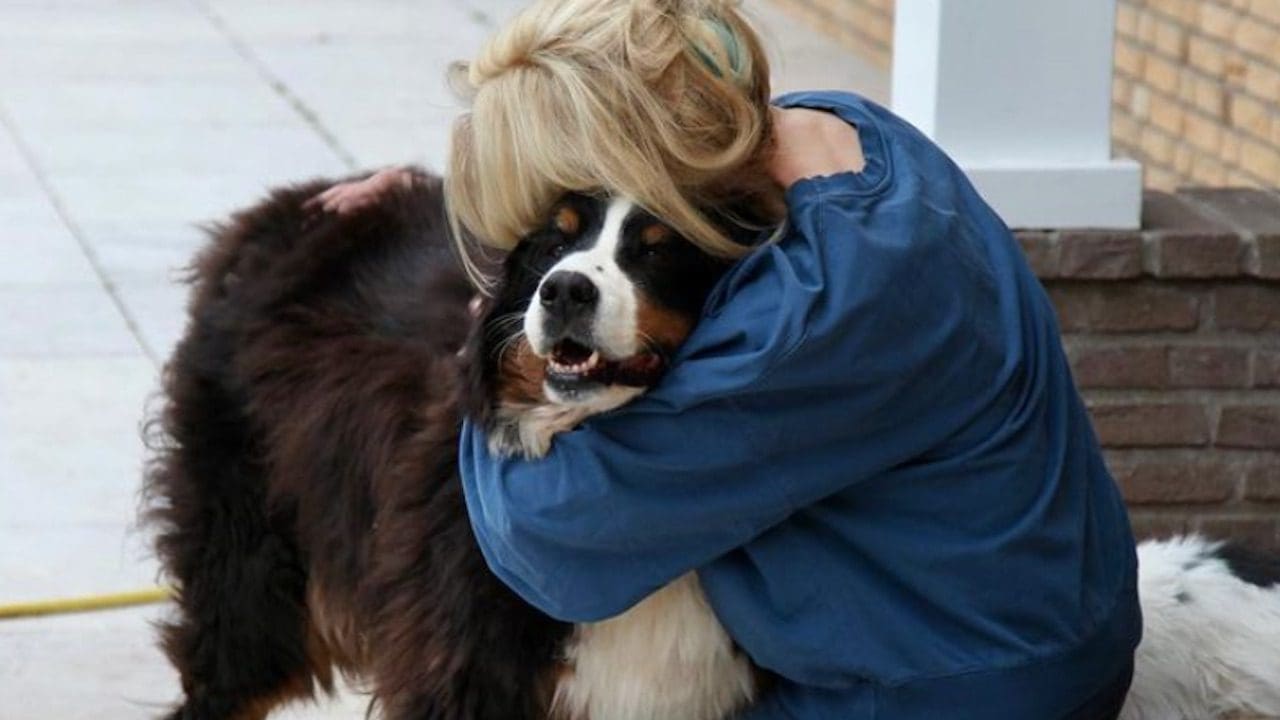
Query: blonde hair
[(664, 101)]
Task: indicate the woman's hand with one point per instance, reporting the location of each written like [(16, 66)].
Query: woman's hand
[(809, 143), (349, 197)]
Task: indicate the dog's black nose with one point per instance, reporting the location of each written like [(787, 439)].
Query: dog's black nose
[(567, 294)]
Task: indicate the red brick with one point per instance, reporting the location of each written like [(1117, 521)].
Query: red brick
[(1189, 238), (1208, 367), (1254, 214), (1174, 482), (1124, 307), (1041, 249), (1100, 255), (1198, 256), (1263, 257), (1120, 367), (1250, 426), (1149, 526), (1247, 307), (1145, 308), (1180, 214), (1266, 368), (1262, 482), (1073, 304), (1150, 425), (1258, 532)]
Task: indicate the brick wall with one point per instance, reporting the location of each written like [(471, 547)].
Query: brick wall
[(866, 26), (1197, 84), (1196, 90), (1174, 337)]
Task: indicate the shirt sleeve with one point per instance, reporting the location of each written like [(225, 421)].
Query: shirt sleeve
[(822, 360)]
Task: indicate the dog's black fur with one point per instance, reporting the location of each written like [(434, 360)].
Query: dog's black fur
[(305, 478), (307, 489)]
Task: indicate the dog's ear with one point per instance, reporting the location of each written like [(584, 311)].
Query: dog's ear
[(479, 365)]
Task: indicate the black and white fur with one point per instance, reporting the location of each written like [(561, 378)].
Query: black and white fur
[(666, 658), (1211, 632)]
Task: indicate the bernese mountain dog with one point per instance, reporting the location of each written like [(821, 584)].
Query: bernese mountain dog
[(304, 483)]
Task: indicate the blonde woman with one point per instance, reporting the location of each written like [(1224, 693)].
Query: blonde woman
[(870, 449)]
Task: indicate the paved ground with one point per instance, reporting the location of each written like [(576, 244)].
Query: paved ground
[(123, 123)]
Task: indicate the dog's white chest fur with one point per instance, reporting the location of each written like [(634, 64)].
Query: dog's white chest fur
[(667, 658)]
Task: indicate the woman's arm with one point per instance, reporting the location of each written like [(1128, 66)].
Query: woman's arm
[(850, 347), (812, 143)]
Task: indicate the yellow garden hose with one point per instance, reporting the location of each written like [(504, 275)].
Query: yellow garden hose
[(86, 603)]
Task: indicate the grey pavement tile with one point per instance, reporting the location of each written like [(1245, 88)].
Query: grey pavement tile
[(41, 254), (43, 109), (71, 442), (106, 666), (170, 202), (268, 152), (74, 560), (64, 23), (396, 143), (367, 80), (59, 321), (15, 175), (436, 22), (159, 309), (100, 666), (23, 201), (27, 61), (145, 254)]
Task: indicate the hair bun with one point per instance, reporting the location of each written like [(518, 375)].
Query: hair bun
[(664, 101)]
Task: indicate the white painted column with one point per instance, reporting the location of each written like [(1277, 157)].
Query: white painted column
[(1018, 92)]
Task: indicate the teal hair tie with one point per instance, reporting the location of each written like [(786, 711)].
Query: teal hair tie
[(729, 41)]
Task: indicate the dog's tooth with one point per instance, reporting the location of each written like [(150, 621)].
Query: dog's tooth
[(594, 360)]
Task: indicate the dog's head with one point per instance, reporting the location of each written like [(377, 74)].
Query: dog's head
[(588, 312)]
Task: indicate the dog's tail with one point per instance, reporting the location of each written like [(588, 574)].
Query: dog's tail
[(1211, 631)]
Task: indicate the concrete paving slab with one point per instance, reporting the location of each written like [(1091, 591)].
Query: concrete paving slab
[(83, 667), (127, 104), (170, 202), (396, 143), (276, 152), (438, 22), (25, 60), (60, 321), (70, 439), (63, 23), (152, 307), (152, 254), (41, 254), (105, 666)]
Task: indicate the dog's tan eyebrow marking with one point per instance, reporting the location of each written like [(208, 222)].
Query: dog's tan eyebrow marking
[(655, 233), (567, 220)]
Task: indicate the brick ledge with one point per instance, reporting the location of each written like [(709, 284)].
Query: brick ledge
[(1197, 233)]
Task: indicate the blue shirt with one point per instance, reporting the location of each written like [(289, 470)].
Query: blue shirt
[(872, 451)]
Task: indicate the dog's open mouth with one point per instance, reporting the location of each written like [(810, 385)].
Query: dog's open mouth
[(572, 364)]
